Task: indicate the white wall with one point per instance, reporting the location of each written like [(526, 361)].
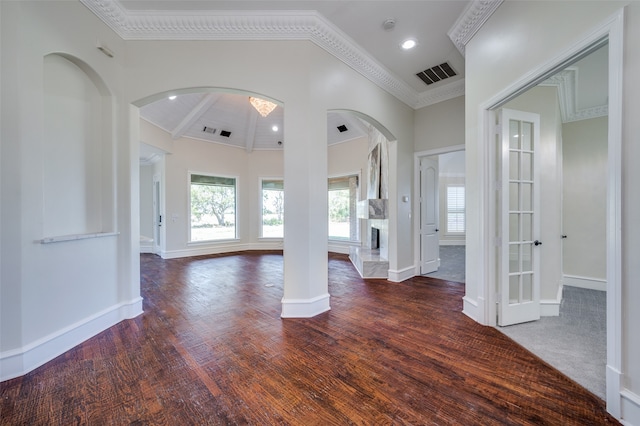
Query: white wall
[(54, 296), (440, 125), (585, 192), (511, 44)]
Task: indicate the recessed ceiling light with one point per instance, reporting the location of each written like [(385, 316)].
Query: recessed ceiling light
[(409, 44), (172, 97), (274, 128)]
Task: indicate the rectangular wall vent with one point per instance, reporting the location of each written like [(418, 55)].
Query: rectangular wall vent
[(437, 73), (210, 130), (342, 128), (225, 133)]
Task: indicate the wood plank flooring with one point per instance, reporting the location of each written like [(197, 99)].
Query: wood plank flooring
[(211, 349)]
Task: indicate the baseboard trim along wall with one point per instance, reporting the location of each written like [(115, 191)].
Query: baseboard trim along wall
[(551, 307), (305, 308), (203, 250), (398, 276), (18, 362), (585, 282), (470, 308), (630, 407)]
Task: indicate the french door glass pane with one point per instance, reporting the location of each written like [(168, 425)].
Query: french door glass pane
[(514, 165), (514, 227), (514, 289), (514, 134), (527, 136), (527, 287)]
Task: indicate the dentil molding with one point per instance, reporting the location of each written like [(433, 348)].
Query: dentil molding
[(286, 25)]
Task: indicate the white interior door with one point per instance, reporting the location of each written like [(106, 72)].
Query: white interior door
[(519, 282), (429, 242)]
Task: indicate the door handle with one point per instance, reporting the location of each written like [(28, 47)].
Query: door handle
[(537, 243)]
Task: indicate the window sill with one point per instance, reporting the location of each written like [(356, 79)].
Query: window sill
[(208, 242)]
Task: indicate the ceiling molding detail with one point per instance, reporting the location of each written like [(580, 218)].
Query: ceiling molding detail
[(250, 25), (440, 94), (566, 83), (471, 20)]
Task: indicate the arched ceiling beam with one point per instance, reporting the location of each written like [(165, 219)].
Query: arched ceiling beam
[(207, 102)]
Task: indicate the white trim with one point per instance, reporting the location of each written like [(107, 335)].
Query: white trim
[(551, 307), (470, 21), (630, 408), (75, 237), (17, 362), (305, 308), (470, 308), (453, 242), (275, 244), (343, 247), (585, 282), (614, 27), (400, 275)]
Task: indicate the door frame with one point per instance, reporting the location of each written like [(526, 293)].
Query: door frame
[(612, 30), (417, 156)]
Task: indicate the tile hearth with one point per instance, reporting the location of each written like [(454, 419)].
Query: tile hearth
[(369, 263)]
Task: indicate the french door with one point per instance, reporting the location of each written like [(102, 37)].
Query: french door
[(519, 251)]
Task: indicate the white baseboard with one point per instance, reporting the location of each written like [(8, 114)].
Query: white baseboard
[(305, 308), (452, 242), (585, 282), (203, 250), (630, 408), (549, 308), (341, 247), (397, 276), (470, 308), (17, 362)]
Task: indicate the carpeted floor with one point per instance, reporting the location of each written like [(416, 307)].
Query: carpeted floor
[(451, 264), (574, 342)]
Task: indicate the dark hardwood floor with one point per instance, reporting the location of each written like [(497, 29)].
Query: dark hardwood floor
[(212, 349)]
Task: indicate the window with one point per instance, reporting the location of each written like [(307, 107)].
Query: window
[(455, 209), (272, 208), (343, 221), (213, 208)]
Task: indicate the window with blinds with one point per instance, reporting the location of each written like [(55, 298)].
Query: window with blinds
[(455, 209)]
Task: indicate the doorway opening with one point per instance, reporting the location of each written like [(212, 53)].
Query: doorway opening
[(441, 222), (611, 33)]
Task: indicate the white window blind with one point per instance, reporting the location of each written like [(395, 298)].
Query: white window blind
[(455, 209)]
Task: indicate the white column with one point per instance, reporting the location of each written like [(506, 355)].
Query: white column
[(305, 210)]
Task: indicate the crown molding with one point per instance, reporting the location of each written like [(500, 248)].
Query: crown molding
[(250, 25), (471, 20), (440, 94), (566, 83)]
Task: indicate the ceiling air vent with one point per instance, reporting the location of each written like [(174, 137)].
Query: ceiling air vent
[(437, 73), (342, 128), (210, 130), (225, 133)]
